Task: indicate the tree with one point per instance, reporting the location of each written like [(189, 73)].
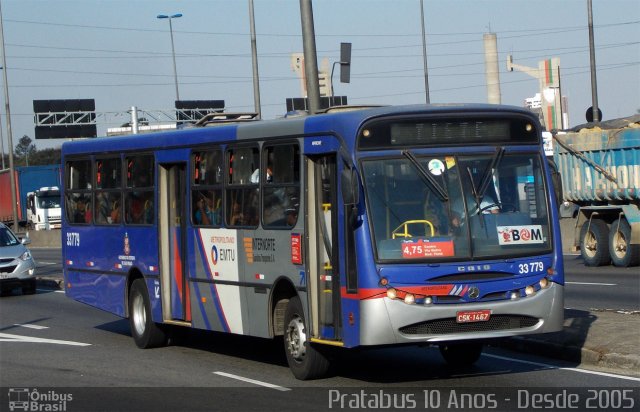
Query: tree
[(24, 150)]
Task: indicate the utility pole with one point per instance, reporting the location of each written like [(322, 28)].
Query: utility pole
[(12, 175), (592, 54), (310, 57), (254, 59), (424, 54)]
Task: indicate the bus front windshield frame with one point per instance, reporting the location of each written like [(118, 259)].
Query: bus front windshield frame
[(471, 206)]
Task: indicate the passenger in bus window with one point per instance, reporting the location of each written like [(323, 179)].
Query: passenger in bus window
[(82, 213), (135, 209), (237, 217), (206, 211), (291, 216), (102, 208), (115, 212)]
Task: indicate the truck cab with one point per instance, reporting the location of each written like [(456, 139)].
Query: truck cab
[(43, 208)]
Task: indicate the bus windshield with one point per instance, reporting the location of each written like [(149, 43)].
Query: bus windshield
[(469, 206)]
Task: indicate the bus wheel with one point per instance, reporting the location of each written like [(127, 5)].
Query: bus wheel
[(622, 252), (594, 243), (305, 361), (461, 354), (145, 332)]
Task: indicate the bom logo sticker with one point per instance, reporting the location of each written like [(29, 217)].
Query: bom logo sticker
[(520, 235)]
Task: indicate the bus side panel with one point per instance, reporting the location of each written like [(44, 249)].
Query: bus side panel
[(217, 300), (105, 292)]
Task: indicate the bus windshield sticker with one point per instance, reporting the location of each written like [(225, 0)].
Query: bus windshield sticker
[(520, 235), (451, 161), (427, 248), (436, 167)]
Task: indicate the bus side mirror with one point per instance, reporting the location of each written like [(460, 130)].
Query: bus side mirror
[(350, 192)]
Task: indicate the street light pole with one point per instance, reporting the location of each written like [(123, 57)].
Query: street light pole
[(12, 177), (173, 51)]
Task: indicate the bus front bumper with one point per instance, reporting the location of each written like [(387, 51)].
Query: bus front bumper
[(387, 321)]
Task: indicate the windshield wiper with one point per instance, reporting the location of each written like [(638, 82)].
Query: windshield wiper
[(426, 177), (488, 173)]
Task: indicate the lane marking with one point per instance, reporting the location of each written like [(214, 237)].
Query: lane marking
[(30, 326), (550, 366), (255, 382), (7, 337), (50, 290), (48, 263), (591, 284)]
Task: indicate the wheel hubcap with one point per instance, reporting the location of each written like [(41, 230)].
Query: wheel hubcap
[(296, 339), (139, 314), (620, 245), (590, 244)]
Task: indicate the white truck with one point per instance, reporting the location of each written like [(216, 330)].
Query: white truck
[(43, 208)]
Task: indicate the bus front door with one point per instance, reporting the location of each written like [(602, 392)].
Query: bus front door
[(322, 232), (172, 229)]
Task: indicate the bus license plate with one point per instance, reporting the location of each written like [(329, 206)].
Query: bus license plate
[(473, 316)]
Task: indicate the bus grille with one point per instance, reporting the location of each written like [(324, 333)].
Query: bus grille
[(449, 325)]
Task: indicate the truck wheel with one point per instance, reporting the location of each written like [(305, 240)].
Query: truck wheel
[(622, 252), (305, 361), (461, 354), (594, 243), (146, 333)]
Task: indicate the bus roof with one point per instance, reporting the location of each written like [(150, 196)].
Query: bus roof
[(344, 123)]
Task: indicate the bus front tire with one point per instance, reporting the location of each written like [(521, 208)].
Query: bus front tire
[(462, 353), (622, 252), (305, 361), (146, 333), (594, 243)]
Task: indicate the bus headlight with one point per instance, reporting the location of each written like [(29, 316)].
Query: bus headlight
[(409, 299), (514, 295), (428, 300), (391, 293), (544, 283), (529, 290)]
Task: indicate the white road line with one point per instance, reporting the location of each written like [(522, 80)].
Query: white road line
[(47, 263), (255, 382), (50, 290), (30, 326), (549, 366), (7, 337), (591, 284)]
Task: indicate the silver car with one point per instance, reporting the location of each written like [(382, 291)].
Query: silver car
[(17, 267)]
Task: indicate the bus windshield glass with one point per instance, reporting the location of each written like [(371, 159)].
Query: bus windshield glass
[(472, 206)]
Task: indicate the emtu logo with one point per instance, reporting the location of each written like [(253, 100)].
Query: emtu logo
[(214, 254)]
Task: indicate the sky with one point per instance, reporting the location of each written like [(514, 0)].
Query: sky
[(119, 53)]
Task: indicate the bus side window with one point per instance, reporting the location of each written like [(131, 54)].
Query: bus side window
[(242, 192), (78, 187), (206, 188), (281, 190), (139, 207)]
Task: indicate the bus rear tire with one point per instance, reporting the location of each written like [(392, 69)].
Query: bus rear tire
[(594, 243), (622, 252), (305, 361), (461, 353), (146, 333)]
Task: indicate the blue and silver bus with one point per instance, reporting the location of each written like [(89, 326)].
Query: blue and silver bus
[(378, 226)]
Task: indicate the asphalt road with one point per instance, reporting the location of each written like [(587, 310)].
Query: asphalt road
[(50, 342)]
